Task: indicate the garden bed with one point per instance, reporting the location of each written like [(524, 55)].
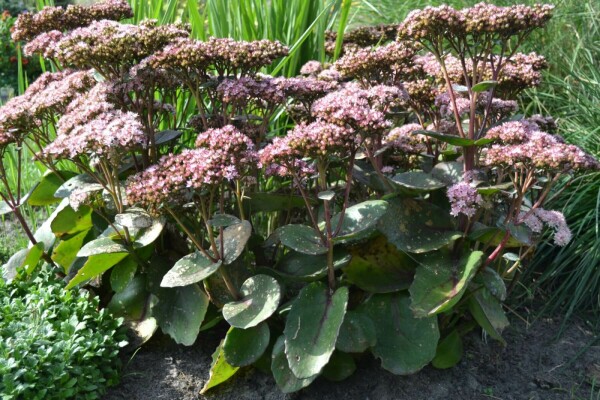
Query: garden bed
[(533, 365)]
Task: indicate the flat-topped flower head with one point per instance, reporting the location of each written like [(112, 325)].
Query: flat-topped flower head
[(360, 109), (45, 44), (405, 139), (322, 139), (363, 36), (244, 90), (447, 107), (512, 131), (231, 57), (279, 159), (311, 68), (109, 46), (484, 18), (431, 23), (384, 64), (234, 147), (29, 25), (305, 89)]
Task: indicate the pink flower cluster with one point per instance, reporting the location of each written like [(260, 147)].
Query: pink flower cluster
[(527, 146), (464, 199), (446, 107), (235, 148), (536, 219), (404, 139), (27, 26), (243, 90), (319, 139), (311, 68)]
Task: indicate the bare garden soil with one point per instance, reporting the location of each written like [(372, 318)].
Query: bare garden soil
[(533, 366)]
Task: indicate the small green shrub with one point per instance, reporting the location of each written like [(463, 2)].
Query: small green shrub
[(55, 344)]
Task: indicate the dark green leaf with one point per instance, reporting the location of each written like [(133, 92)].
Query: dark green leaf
[(94, 266), (357, 333), (417, 182), (190, 269), (131, 302), (309, 268), (69, 221), (235, 238), (220, 370), (123, 273), (83, 183), (358, 218), (405, 344), (284, 377), (312, 328), (379, 267), (449, 172), (65, 253), (488, 313), (449, 351), (417, 226), (166, 136), (267, 202), (243, 347), (180, 312), (340, 366), (102, 245), (261, 299), (301, 238), (223, 220), (440, 281)]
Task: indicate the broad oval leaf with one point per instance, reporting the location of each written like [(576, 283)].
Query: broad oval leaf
[(379, 267), (223, 220), (358, 218), (405, 344), (449, 172), (190, 269), (284, 377), (94, 266), (417, 226), (102, 245), (146, 236), (267, 202), (305, 267), (220, 370), (43, 194), (301, 238), (243, 347), (166, 136), (83, 183), (122, 274), (440, 281), (449, 351), (484, 85), (493, 282), (341, 366), (261, 299), (312, 328), (357, 333), (132, 301), (180, 312), (488, 313), (68, 221), (134, 218), (417, 182), (235, 238), (66, 251)]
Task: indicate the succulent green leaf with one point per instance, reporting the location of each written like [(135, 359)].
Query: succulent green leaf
[(101, 245), (131, 302), (25, 260), (284, 377), (417, 226), (358, 218), (134, 218), (267, 202), (301, 238), (417, 182), (123, 273), (484, 85), (190, 269), (243, 347), (146, 236), (454, 140), (220, 370), (68, 221), (440, 281), (493, 282), (312, 328), (405, 344), (488, 313), (304, 267), (223, 220), (449, 172), (261, 299), (94, 266), (492, 236), (235, 238), (357, 333), (65, 253), (180, 312), (449, 351), (379, 267), (166, 136), (43, 194), (340, 366), (83, 183), (216, 288), (326, 195)]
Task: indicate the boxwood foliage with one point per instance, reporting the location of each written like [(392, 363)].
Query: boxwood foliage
[(55, 344)]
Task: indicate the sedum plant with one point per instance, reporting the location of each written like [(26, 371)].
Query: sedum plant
[(391, 215)]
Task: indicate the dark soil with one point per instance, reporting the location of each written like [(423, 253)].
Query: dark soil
[(534, 365)]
